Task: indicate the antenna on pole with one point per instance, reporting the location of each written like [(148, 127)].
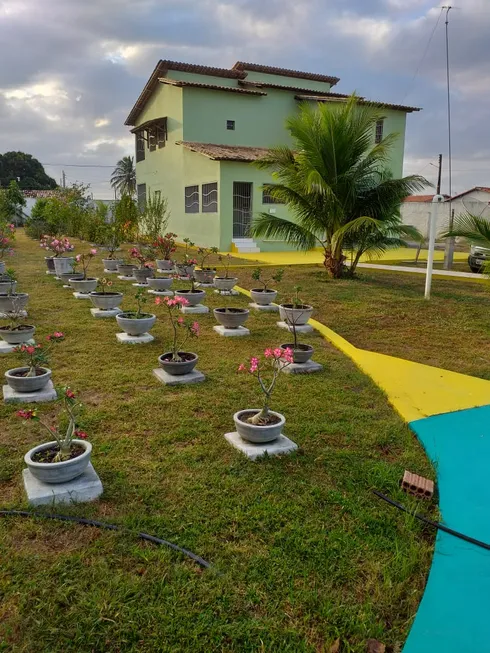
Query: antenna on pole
[(449, 251)]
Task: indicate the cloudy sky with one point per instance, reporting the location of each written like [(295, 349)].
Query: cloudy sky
[(72, 69)]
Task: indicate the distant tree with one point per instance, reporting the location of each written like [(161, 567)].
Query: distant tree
[(24, 168), (123, 178), (11, 203)]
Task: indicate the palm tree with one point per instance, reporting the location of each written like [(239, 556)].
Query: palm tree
[(123, 178), (473, 227), (334, 180)]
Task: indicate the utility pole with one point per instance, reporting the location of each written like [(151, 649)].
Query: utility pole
[(449, 251), (63, 179), (438, 191), (434, 213)]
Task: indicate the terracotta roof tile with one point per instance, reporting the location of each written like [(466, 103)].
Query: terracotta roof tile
[(296, 89), (225, 152), (482, 189), (285, 72), (41, 193), (214, 87), (325, 97), (419, 198)]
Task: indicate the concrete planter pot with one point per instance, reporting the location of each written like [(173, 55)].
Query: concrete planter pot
[(126, 270), (231, 318), (160, 283), (222, 283), (258, 434), (297, 316), (7, 286), (2, 267), (84, 285), (18, 336), (194, 298), (63, 264), (106, 300), (263, 297), (63, 471), (178, 368), (185, 270), (66, 276), (301, 354), (205, 276), (112, 263), (143, 274), (27, 383), (13, 302), (165, 264), (136, 326), (50, 264)]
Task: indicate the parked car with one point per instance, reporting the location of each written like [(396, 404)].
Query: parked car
[(478, 258)]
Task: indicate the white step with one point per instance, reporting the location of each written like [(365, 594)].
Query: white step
[(246, 245), (248, 250)]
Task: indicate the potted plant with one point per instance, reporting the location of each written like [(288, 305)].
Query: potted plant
[(136, 323), (113, 240), (231, 318), (265, 296), (126, 269), (86, 284), (11, 301), (185, 268), (57, 264), (225, 283), (301, 353), (8, 281), (14, 332), (296, 312), (178, 361), (205, 274), (7, 236), (34, 375), (159, 284), (193, 295), (105, 300), (165, 246), (145, 269), (68, 455), (261, 425)]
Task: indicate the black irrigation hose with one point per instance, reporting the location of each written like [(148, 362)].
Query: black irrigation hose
[(110, 527), (435, 524)]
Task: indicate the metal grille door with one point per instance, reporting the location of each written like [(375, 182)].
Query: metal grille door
[(242, 208)]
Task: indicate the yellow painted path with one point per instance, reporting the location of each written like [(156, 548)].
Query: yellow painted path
[(415, 390)]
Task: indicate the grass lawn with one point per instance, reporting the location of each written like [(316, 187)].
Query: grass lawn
[(386, 312), (302, 552)]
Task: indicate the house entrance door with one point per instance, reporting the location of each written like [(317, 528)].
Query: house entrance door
[(242, 208)]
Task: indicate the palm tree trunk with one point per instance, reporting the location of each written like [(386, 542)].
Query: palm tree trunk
[(334, 265)]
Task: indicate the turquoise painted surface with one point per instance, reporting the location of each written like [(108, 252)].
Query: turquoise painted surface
[(453, 616)]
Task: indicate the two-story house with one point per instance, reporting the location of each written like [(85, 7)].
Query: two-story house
[(198, 129)]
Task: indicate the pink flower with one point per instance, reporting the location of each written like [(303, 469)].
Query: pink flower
[(26, 414), (242, 368), (288, 355), (158, 301), (30, 349), (195, 328), (180, 320), (78, 258), (70, 394), (277, 352), (182, 301), (58, 334), (80, 434), (93, 251), (254, 364), (268, 353)]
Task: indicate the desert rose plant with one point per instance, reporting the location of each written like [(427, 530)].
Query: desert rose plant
[(203, 253), (264, 279), (84, 260), (143, 256), (187, 327), (36, 356), (165, 245), (187, 259), (267, 372), (225, 262), (7, 237), (103, 284), (64, 436), (57, 246)]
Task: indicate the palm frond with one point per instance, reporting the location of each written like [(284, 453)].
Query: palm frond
[(265, 225), (475, 228)]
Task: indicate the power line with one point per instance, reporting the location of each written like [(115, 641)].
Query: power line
[(76, 165), (423, 56)]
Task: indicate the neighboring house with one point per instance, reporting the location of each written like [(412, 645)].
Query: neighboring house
[(197, 129), (31, 197), (415, 210)]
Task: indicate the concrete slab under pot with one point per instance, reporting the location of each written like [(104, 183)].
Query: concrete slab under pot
[(62, 471), (106, 301), (178, 368), (136, 326), (231, 318), (301, 353), (257, 433), (22, 334), (20, 383), (194, 297)]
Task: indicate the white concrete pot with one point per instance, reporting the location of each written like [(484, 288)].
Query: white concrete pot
[(106, 300), (63, 471), (221, 283), (301, 354), (14, 302), (84, 285), (125, 269), (194, 298), (112, 263), (258, 434), (50, 264), (143, 274), (205, 276), (165, 264), (27, 383), (2, 267), (296, 316), (63, 264), (263, 297), (160, 283), (18, 336), (136, 327), (231, 318), (7, 286)]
